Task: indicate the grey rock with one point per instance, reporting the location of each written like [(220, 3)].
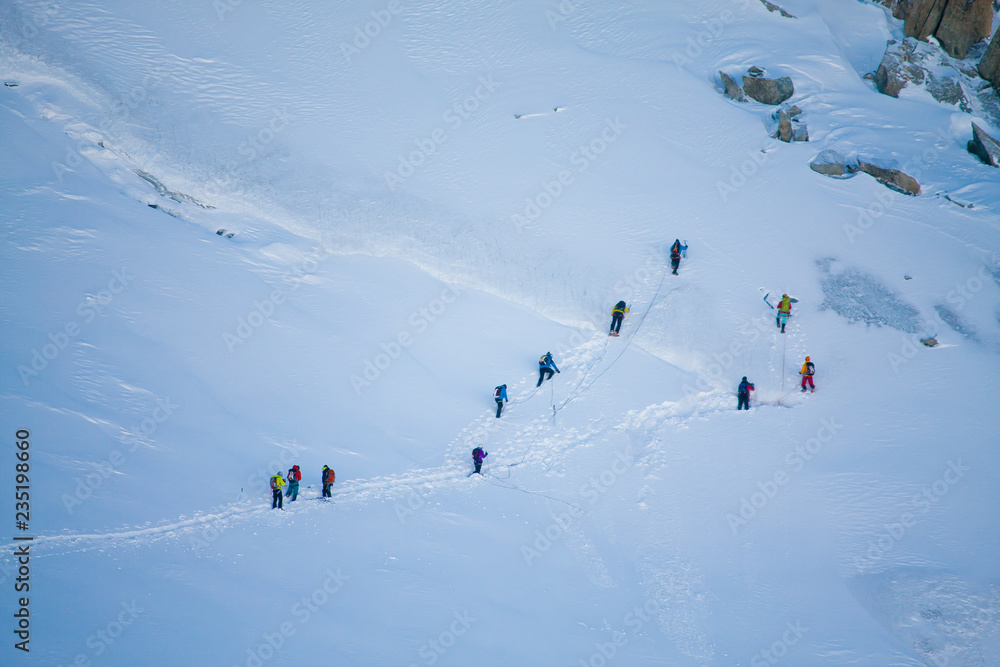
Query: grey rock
[(929, 342), (964, 23), (914, 62), (732, 89), (789, 127), (768, 91), (888, 175), (756, 72), (831, 163), (771, 7), (985, 147), (989, 65)]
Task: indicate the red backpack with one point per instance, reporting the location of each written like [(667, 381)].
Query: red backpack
[(295, 475)]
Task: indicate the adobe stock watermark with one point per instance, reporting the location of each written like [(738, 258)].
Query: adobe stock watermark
[(591, 491), (709, 32), (795, 461), (920, 504), (301, 613), (773, 654), (103, 470), (224, 7), (740, 174), (369, 32), (419, 321), (252, 148), (560, 13), (414, 502), (960, 296), (718, 369), (258, 483), (121, 111), (635, 620), (87, 310), (886, 200), (32, 24), (102, 640), (431, 650), (427, 146), (263, 310), (581, 159)]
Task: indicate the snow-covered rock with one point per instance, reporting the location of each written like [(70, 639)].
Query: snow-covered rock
[(985, 147), (767, 91), (912, 62)]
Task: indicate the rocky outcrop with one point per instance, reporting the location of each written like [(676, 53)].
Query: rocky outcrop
[(886, 173), (771, 7), (831, 163), (964, 23), (767, 91), (985, 147), (789, 127), (957, 24), (917, 63), (731, 88), (922, 17), (989, 64)]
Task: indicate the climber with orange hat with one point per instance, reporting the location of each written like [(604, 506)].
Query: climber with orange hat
[(807, 372)]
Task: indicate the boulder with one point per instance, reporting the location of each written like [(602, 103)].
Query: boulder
[(922, 17), (913, 62), (831, 163), (964, 23), (989, 64), (788, 127), (985, 147), (732, 89), (888, 175), (768, 91)]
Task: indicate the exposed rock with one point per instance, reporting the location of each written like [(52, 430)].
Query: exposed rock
[(929, 342), (911, 61), (985, 147), (964, 23), (163, 191), (989, 65), (756, 72), (831, 163), (957, 24), (789, 128), (771, 7), (922, 17), (732, 89), (888, 175), (768, 91)]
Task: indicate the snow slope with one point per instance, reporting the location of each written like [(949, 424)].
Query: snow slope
[(401, 243)]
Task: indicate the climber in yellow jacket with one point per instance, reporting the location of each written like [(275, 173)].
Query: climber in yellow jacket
[(277, 484), (807, 372), (617, 315)]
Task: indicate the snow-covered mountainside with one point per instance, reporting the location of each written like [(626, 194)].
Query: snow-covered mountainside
[(238, 236)]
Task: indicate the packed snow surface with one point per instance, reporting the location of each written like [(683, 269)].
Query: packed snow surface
[(414, 201)]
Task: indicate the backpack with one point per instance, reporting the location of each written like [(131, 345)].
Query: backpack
[(496, 393), (544, 361), (745, 387), (274, 482), (810, 369), (294, 475), (329, 476)]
